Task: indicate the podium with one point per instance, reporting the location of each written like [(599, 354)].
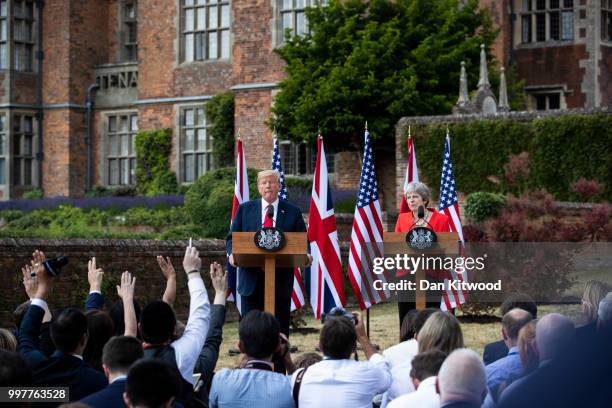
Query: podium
[(248, 255), (447, 245)]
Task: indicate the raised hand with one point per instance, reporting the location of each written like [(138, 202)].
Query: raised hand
[(41, 276), (30, 283), (126, 289), (94, 276), (192, 262), (126, 293), (218, 278), (170, 274)]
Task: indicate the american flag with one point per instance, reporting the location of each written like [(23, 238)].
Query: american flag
[(297, 295), (367, 236), (241, 195), (324, 280), (449, 205), (412, 172)]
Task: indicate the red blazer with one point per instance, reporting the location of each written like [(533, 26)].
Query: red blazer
[(438, 222)]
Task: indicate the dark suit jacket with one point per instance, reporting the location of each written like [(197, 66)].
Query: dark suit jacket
[(59, 370), (494, 351), (111, 396), (248, 219)]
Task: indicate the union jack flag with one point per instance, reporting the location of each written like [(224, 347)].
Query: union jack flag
[(367, 236), (297, 295), (241, 195), (324, 280), (412, 172), (449, 205)]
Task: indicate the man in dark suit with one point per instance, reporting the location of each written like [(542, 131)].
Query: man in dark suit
[(250, 217), (65, 367), (119, 354)]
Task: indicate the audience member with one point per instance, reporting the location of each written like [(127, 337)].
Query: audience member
[(425, 367), (256, 384), (152, 383), (170, 275), (441, 331), (408, 348), (528, 351), (100, 328), (15, 371), (462, 380), (69, 334), (157, 324), (119, 354), (594, 292), (509, 367), (307, 359), (8, 341), (604, 313), (338, 380), (498, 349)]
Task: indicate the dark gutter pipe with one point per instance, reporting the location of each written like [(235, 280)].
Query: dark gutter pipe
[(89, 104), (40, 56)]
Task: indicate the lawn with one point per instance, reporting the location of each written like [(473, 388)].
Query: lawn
[(384, 331)]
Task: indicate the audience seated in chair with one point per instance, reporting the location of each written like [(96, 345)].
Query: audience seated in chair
[(119, 354), (408, 346), (256, 384), (425, 367), (462, 380)]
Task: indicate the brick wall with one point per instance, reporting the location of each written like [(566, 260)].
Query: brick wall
[(500, 16), (252, 110), (348, 170), (552, 66), (605, 76)]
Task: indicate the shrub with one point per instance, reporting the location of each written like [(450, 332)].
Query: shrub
[(209, 200), (183, 232), (104, 191), (561, 150), (35, 194), (220, 116), (152, 152), (482, 205)]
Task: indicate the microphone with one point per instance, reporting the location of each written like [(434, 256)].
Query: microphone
[(421, 212)]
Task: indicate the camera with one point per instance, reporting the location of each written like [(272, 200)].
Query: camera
[(54, 266), (338, 312)]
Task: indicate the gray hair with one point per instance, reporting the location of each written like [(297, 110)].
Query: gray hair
[(462, 377), (419, 188), (267, 173), (604, 313)]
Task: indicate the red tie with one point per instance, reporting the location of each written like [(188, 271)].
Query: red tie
[(268, 222)]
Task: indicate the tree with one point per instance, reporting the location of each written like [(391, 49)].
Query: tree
[(220, 115), (376, 61)]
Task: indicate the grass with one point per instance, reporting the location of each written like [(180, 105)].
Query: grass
[(384, 331)]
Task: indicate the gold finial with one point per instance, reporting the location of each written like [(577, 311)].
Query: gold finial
[(366, 126), (409, 134), (447, 129), (238, 133)]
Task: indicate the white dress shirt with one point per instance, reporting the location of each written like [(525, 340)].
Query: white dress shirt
[(344, 383), (424, 397), (187, 347), (401, 380), (402, 352), (264, 210)]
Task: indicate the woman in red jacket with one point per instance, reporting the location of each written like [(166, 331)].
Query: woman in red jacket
[(417, 194)]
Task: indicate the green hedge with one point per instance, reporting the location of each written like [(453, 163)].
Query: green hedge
[(561, 150)]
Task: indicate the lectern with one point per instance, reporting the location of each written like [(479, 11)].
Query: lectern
[(447, 245), (247, 255)]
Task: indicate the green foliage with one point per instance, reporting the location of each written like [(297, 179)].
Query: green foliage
[(220, 116), (209, 200), (153, 149), (482, 205), (561, 150), (346, 206), (11, 215), (104, 191), (35, 194), (298, 182), (183, 231), (376, 61)]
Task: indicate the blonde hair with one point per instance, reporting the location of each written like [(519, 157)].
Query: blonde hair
[(441, 331), (8, 342), (594, 292), (527, 349), (266, 173)]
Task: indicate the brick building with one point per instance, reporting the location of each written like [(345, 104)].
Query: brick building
[(561, 48), (150, 64)]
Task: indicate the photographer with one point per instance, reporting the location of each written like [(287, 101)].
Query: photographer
[(339, 381)]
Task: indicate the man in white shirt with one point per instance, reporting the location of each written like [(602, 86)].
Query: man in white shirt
[(425, 367), (338, 381)]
